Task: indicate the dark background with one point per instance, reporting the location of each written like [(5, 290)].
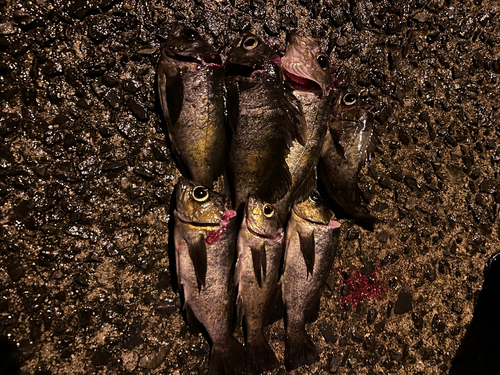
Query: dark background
[(86, 180)]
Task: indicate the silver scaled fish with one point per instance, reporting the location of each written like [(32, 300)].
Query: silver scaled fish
[(205, 249)]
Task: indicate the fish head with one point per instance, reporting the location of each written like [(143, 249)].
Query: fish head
[(250, 56), (351, 106), (185, 44), (262, 219), (305, 65), (314, 209), (198, 205)]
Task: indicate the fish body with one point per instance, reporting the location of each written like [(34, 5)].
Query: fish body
[(205, 249), (191, 93), (349, 144), (306, 69), (311, 242), (265, 120), (259, 248)]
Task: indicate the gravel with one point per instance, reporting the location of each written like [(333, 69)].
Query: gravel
[(86, 178)]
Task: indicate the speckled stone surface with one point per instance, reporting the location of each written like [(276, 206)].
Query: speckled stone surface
[(86, 178)]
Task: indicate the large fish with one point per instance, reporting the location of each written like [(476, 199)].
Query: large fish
[(264, 117), (205, 249), (306, 68), (259, 247), (191, 92), (311, 241), (348, 146)]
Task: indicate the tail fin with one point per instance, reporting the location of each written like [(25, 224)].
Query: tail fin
[(260, 356), (299, 350), (227, 360)]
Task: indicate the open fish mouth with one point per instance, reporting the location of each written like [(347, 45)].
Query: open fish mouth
[(191, 221), (212, 59), (301, 83)]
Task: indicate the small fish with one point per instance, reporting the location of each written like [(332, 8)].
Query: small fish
[(191, 92), (205, 248), (349, 144), (264, 118), (259, 248), (311, 242), (306, 68)]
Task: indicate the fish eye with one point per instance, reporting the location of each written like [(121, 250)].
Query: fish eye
[(322, 61), (190, 34), (315, 197), (349, 99), (250, 43), (268, 210), (200, 194)]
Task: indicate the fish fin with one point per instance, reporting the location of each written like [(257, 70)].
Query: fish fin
[(239, 311), (195, 325), (276, 183), (161, 81), (312, 311), (306, 188), (276, 307), (299, 349), (339, 136), (227, 360), (198, 253), (307, 246), (259, 263), (295, 113), (350, 201), (260, 356), (171, 92)]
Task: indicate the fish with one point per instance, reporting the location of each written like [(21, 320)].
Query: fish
[(264, 117), (259, 253), (205, 233), (308, 71), (311, 239), (190, 79), (349, 144)]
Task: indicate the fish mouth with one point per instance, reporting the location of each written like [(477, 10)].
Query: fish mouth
[(212, 59), (260, 234), (209, 59), (279, 237), (186, 220), (243, 70), (301, 83), (250, 69)]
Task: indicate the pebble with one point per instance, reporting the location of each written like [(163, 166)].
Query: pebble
[(101, 357), (154, 360), (327, 332), (403, 303)]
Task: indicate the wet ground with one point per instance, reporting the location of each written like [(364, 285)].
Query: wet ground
[(86, 179)]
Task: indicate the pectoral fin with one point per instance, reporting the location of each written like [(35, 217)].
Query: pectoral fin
[(198, 253), (259, 263), (307, 248)]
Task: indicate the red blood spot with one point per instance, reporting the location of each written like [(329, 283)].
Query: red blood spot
[(214, 235), (361, 287)]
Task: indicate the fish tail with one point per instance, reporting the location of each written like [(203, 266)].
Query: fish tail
[(299, 349), (260, 356), (228, 359)]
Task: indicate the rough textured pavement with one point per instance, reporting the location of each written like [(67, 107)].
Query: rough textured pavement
[(86, 179)]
